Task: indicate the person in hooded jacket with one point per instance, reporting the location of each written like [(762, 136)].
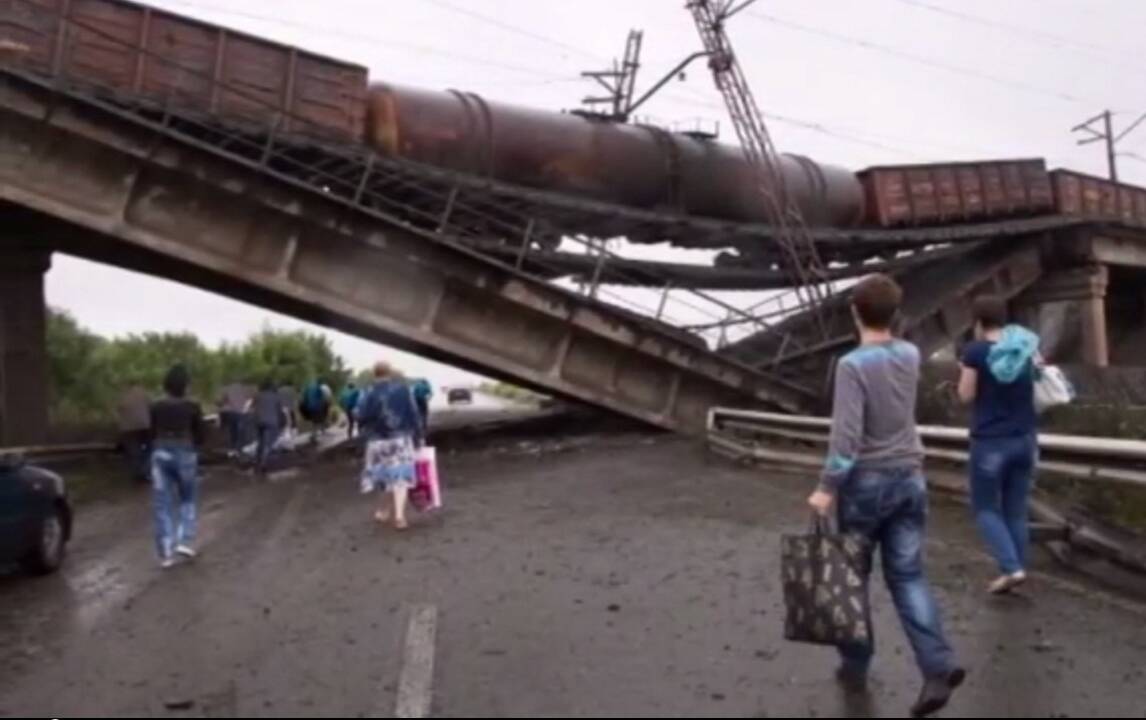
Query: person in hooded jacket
[(997, 378)]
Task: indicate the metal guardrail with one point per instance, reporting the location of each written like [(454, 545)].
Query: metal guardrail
[(16, 455), (762, 436), (752, 434)]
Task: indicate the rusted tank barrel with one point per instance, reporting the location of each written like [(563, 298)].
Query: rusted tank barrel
[(639, 166)]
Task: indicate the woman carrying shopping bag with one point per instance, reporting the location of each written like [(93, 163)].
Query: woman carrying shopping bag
[(389, 419), (997, 377)]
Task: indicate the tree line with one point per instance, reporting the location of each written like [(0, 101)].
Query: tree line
[(88, 372)]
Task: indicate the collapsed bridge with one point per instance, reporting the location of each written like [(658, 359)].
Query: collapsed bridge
[(438, 222)]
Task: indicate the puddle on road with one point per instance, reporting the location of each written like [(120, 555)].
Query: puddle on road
[(109, 582), (99, 589)]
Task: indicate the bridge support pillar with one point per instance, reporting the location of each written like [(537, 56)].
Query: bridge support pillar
[(23, 346), (1068, 310)]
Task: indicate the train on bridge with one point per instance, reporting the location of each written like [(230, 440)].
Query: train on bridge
[(139, 53)]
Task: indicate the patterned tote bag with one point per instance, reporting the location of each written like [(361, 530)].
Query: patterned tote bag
[(826, 587)]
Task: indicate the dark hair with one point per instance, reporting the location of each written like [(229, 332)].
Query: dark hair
[(267, 385), (990, 311), (876, 300), (177, 380)]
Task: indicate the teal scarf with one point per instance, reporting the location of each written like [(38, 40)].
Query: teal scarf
[(1011, 356)]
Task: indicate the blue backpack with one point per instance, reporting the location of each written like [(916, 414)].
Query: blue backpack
[(312, 398)]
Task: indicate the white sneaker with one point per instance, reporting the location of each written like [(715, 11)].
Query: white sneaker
[(1007, 583), (186, 551), (168, 563)]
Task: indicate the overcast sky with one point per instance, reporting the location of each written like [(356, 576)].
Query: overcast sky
[(850, 82)]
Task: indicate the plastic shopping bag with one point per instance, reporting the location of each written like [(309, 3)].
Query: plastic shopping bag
[(427, 492), (1052, 388), (825, 579)]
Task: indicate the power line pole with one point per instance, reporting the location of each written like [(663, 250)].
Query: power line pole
[(619, 81), (1107, 135)]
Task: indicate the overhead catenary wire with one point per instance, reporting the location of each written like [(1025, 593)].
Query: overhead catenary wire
[(812, 126), (373, 41), (923, 60), (523, 32), (1053, 39)]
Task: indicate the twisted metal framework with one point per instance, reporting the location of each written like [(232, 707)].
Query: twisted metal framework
[(800, 258)]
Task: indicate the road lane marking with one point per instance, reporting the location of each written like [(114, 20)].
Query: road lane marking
[(416, 679)]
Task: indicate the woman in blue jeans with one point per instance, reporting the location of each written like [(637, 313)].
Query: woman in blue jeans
[(177, 425), (997, 377)]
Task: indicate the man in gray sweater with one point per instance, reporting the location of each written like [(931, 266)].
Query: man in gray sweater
[(873, 476), (269, 419)]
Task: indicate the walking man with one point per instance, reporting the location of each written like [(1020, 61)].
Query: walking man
[(134, 415), (269, 413), (177, 428), (232, 405), (873, 477)]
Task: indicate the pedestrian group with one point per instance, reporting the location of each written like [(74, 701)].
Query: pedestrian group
[(162, 440), (873, 483)]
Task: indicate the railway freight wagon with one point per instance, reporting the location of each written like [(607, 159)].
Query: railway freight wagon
[(944, 193), (1089, 196), (132, 53)]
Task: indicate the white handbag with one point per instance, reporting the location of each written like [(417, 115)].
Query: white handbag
[(1052, 388)]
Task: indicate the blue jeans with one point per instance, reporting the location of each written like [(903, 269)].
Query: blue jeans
[(889, 507), (268, 436), (233, 428), (175, 495), (1002, 470)]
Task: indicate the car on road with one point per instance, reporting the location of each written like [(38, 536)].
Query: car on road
[(460, 396), (35, 516)]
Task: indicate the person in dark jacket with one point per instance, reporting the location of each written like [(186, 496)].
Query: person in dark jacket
[(177, 433), (389, 418), (269, 412)]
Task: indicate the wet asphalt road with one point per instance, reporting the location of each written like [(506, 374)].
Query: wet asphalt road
[(629, 576)]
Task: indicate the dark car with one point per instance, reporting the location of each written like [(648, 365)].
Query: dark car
[(35, 517), (459, 396)]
